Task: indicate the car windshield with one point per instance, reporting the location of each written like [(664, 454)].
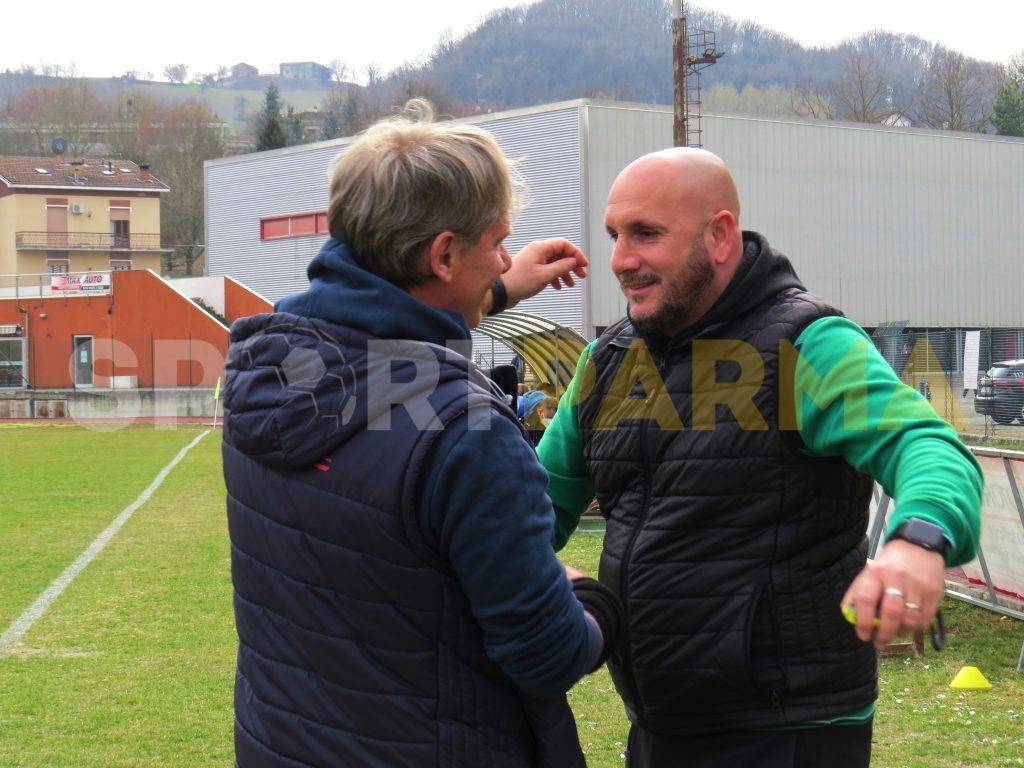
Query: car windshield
[(1005, 372)]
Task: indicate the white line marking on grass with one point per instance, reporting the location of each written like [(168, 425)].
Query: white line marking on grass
[(13, 634)]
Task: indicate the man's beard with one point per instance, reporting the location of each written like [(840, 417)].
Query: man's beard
[(681, 293)]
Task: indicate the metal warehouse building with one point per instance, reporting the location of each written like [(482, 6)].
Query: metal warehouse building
[(891, 224)]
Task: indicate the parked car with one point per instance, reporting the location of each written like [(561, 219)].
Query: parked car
[(1001, 392)]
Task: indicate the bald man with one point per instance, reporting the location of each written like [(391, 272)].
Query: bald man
[(730, 427)]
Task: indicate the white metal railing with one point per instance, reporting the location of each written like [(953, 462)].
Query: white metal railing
[(1003, 511), (37, 286)]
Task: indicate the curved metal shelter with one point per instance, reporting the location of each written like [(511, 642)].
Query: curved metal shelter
[(549, 348)]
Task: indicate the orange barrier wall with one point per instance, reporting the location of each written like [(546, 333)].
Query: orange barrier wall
[(143, 328), (240, 301)]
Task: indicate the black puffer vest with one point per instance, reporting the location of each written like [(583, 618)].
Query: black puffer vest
[(730, 546), (357, 647)]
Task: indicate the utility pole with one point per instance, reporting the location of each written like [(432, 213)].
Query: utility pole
[(692, 52), (679, 51)]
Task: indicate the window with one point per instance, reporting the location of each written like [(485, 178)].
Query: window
[(293, 225), (120, 265), (271, 229), (12, 364), (120, 235), (304, 225), (119, 213), (57, 266)]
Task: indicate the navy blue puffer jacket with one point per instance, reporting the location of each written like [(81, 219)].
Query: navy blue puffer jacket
[(358, 645)]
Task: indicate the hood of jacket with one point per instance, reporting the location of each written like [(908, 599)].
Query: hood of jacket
[(330, 360)]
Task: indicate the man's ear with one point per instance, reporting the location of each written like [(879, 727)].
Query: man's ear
[(440, 256), (719, 234)]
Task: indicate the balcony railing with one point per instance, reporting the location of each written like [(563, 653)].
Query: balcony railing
[(88, 241)]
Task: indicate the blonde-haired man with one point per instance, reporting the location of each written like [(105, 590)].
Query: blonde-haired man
[(397, 598)]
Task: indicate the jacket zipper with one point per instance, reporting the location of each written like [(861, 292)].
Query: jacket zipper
[(627, 653)]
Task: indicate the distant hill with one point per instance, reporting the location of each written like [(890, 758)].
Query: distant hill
[(224, 100), (563, 49), (621, 49)]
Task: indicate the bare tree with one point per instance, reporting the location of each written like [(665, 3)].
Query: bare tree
[(810, 101), (66, 108), (956, 93), (204, 79), (373, 74), (444, 46), (1015, 69), (340, 71), (189, 133), (863, 92), (176, 73), (222, 73), (50, 70)]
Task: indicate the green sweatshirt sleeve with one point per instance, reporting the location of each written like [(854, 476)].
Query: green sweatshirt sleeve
[(561, 453), (850, 403)]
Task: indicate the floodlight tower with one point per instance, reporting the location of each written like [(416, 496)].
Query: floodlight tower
[(693, 50)]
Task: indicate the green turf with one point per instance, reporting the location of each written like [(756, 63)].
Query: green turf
[(61, 486), (134, 664), (921, 723)]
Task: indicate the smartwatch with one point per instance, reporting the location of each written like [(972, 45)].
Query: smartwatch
[(499, 298), (924, 534)]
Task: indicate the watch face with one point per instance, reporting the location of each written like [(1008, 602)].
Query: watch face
[(922, 533)]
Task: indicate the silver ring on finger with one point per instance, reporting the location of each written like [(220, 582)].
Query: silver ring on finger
[(895, 592)]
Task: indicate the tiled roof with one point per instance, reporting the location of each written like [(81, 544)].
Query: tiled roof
[(75, 172)]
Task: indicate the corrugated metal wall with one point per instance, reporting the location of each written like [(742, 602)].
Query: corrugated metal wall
[(614, 137), (547, 146), (242, 190), (889, 224)]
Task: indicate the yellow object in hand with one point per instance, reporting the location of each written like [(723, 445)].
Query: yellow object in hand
[(850, 614)]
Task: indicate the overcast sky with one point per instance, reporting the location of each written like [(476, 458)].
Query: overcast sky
[(147, 36)]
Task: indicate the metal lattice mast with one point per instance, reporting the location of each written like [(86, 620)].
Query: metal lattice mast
[(693, 50)]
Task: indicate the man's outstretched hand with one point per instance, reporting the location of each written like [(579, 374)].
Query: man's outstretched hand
[(902, 587), (555, 262), (572, 574)]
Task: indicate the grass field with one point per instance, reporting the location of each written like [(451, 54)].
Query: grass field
[(134, 664)]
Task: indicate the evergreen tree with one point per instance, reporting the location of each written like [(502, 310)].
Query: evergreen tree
[(331, 129), (293, 127), (1008, 112), (269, 133), (350, 118)]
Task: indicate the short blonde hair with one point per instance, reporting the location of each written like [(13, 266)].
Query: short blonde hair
[(406, 180)]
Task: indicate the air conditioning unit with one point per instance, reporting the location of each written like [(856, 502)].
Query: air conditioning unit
[(77, 209)]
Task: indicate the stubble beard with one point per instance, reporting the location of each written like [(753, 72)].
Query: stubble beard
[(681, 294)]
